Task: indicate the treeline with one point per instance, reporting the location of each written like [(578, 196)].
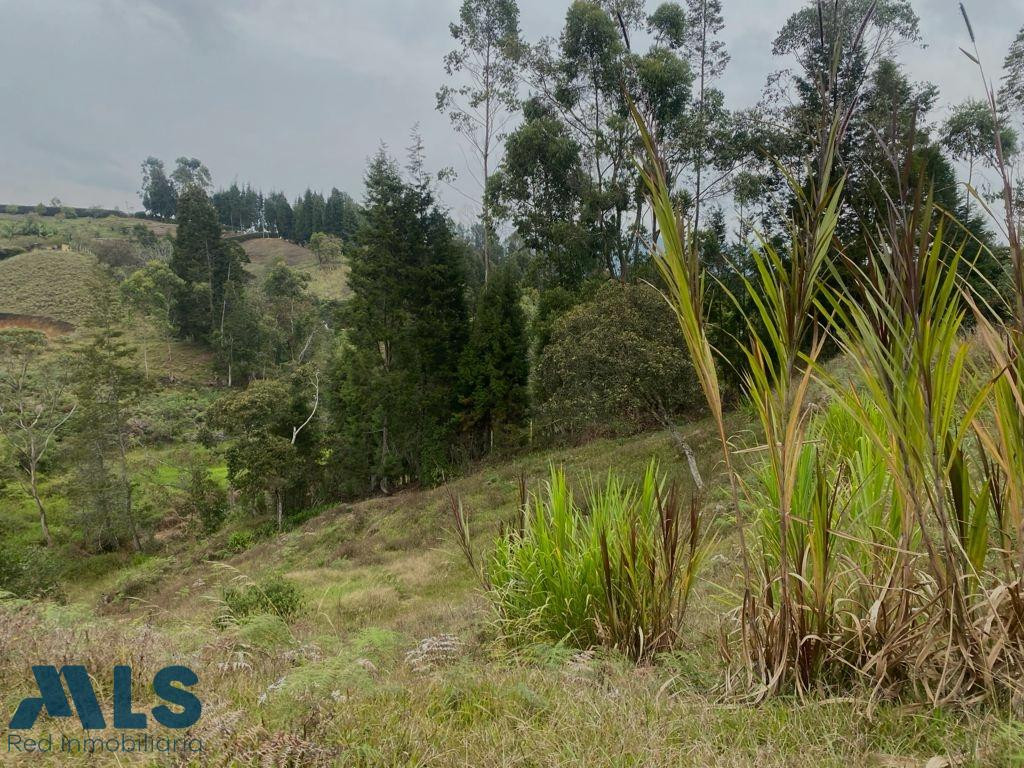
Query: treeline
[(56, 208), (457, 341), (392, 386), (245, 209)]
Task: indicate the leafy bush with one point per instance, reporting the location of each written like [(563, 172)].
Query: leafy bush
[(146, 573), (613, 365), (239, 541), (274, 595), (173, 416), (116, 252), (265, 631), (616, 571), (205, 501), (30, 571), (30, 226)]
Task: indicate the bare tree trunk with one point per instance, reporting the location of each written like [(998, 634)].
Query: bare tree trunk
[(209, 271), (129, 510), (39, 505), (224, 302), (684, 446), (486, 216), (126, 484), (703, 129), (280, 510), (383, 455)]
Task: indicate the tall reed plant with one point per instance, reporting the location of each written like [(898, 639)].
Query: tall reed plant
[(614, 569), (886, 538)]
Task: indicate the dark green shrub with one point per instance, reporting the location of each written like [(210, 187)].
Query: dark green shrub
[(205, 502), (239, 541), (274, 595), (141, 577), (30, 571), (614, 365), (551, 305), (172, 416)]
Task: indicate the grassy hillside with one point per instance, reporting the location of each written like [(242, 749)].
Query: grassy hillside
[(386, 653), (28, 231), (55, 284), (353, 679), (264, 252)]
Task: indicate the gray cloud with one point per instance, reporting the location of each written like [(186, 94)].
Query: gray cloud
[(286, 94)]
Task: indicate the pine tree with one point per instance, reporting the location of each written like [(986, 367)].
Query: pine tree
[(205, 263), (279, 216), (107, 387), (406, 328), (309, 216), (341, 215), (494, 372), (301, 227)]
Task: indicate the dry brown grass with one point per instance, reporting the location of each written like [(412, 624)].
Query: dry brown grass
[(337, 689), (61, 285), (52, 328), (264, 252)]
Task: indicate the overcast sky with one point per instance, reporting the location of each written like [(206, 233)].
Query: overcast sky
[(287, 95)]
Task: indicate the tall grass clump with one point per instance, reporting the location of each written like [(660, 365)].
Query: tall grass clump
[(273, 595), (882, 536), (781, 614), (616, 569)]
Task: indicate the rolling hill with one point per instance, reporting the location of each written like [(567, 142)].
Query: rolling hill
[(391, 658), (264, 252), (62, 285)]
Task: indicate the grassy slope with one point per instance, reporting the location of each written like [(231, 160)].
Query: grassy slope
[(380, 575), (264, 252), (65, 286), (58, 230), (56, 284)]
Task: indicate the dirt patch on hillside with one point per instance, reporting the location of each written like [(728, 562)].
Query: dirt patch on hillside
[(47, 325)]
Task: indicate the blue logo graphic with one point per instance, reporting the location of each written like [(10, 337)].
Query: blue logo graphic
[(55, 701)]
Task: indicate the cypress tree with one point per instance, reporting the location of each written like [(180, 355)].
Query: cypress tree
[(301, 227), (341, 215), (205, 263), (406, 328), (494, 372), (107, 388)]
